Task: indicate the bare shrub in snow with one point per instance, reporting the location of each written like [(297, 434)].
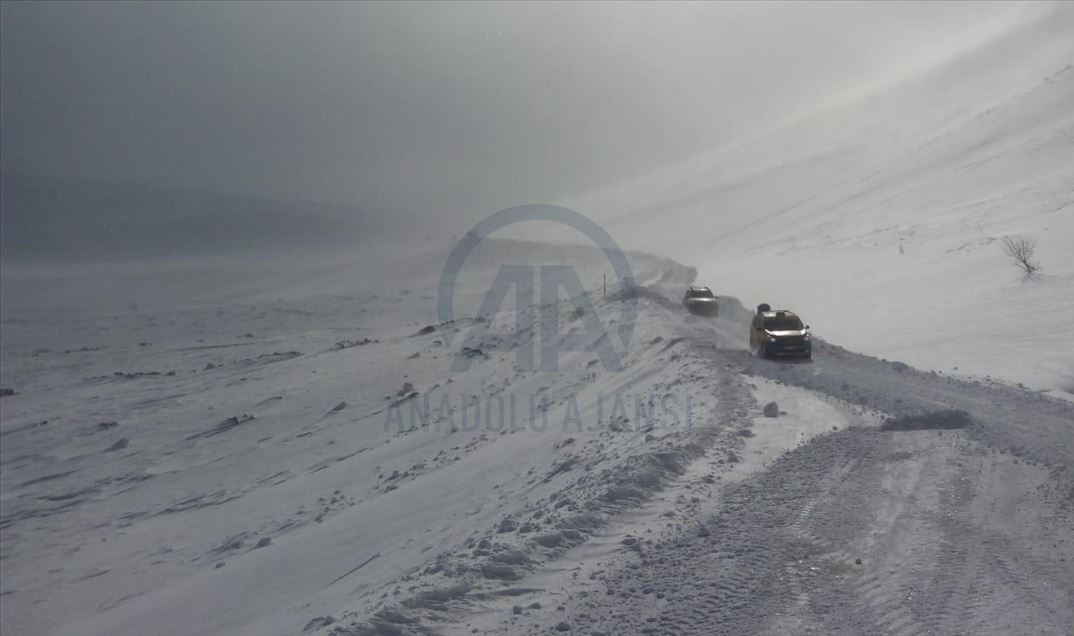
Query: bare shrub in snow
[(1021, 249)]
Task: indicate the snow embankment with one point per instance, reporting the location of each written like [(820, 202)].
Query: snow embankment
[(254, 451)]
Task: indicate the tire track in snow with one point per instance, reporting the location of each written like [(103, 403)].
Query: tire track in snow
[(947, 538)]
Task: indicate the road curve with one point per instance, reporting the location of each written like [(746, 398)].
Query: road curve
[(955, 531)]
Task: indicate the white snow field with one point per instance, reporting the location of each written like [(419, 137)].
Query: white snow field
[(880, 217), (149, 451), (277, 444), (241, 455)]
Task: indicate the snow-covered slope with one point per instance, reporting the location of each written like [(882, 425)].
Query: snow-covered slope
[(880, 217), (220, 457), (247, 452)]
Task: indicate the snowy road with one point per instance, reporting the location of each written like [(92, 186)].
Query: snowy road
[(862, 531)]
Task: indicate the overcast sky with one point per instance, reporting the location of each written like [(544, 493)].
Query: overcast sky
[(430, 109)]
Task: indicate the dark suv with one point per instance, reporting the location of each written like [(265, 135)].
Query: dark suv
[(779, 333), (700, 300)]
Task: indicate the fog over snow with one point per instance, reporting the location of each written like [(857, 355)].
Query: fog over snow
[(839, 135), (428, 112), (231, 406)]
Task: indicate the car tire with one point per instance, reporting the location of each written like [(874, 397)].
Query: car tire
[(762, 351)]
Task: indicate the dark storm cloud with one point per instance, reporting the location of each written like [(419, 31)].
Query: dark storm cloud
[(429, 110)]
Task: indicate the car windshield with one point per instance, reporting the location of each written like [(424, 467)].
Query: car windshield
[(783, 323), (700, 293)]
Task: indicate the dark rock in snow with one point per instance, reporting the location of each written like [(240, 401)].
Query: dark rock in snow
[(120, 445), (264, 542), (318, 622), (348, 344), (571, 534), (947, 419), (771, 410), (568, 441), (549, 540), (223, 427), (499, 571)]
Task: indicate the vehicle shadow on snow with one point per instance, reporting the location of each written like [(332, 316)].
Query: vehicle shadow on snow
[(784, 360)]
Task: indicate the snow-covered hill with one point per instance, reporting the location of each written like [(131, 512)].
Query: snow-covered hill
[(879, 218), (213, 448), (286, 449)]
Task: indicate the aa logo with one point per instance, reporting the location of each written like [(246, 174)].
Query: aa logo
[(537, 289)]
